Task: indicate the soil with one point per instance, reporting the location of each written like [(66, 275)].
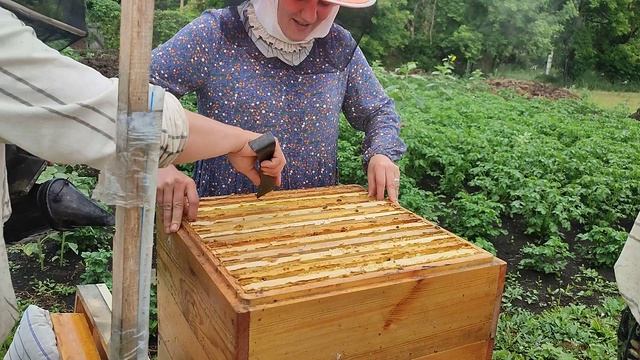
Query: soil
[(27, 277), (545, 286), (26, 274), (532, 89), (106, 62)]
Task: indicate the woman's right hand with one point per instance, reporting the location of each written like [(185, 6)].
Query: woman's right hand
[(245, 158)]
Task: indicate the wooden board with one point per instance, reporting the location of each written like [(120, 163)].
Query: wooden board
[(75, 341), (94, 302), (323, 274)]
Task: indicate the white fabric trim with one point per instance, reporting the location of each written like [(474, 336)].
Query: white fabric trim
[(627, 270)]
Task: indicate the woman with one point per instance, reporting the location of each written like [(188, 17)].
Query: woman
[(284, 66)]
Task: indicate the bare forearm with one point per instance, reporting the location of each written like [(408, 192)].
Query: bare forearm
[(210, 138)]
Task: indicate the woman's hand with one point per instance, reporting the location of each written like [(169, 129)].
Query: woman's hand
[(383, 174), (176, 196), (244, 161)]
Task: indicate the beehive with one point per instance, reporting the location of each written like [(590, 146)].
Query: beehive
[(323, 274)]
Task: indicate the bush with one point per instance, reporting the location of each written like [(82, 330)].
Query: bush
[(167, 23), (602, 245), (549, 258), (104, 16)]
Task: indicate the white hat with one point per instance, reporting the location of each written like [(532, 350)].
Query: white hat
[(352, 3)]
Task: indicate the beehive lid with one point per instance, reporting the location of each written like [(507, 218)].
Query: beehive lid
[(306, 242)]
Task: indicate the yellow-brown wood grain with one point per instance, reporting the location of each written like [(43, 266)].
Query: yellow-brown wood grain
[(324, 274), (74, 338), (293, 238)]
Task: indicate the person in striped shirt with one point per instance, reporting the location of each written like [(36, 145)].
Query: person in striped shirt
[(627, 271), (63, 111)]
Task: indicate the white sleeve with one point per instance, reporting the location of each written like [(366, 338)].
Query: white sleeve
[(61, 110)]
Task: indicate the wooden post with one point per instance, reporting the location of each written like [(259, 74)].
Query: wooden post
[(133, 241)]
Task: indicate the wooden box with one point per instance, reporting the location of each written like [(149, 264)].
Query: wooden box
[(323, 274)]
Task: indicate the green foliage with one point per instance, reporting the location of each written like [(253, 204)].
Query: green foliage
[(153, 311), (485, 244), (550, 258), (388, 30), (104, 16), (88, 238), (84, 183), (422, 202), (474, 216), (35, 249), (351, 169), (602, 37), (445, 70), (602, 245), (572, 332), (64, 245), (514, 292), (96, 267), (48, 287), (198, 6), (190, 101), (167, 23)]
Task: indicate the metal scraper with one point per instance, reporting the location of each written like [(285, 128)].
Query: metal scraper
[(264, 146)]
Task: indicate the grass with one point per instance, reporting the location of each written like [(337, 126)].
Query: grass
[(610, 100)]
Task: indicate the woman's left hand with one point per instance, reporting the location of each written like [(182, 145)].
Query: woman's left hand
[(383, 174)]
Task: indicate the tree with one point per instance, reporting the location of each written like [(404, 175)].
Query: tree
[(603, 37)]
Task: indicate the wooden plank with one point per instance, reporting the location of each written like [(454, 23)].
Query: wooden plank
[(287, 195), (340, 285), (298, 221), (163, 350), (177, 340), (276, 239), (313, 278), (314, 244), (74, 338), (133, 240), (417, 317), (496, 311), (201, 294), (342, 257), (291, 207), (472, 351), (95, 305), (266, 296)]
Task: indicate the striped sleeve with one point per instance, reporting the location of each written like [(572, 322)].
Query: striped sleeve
[(61, 110)]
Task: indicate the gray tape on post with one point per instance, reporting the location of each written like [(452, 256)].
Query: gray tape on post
[(129, 180)]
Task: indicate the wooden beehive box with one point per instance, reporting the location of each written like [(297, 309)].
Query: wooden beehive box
[(323, 274)]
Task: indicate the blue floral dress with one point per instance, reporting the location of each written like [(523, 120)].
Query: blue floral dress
[(301, 105)]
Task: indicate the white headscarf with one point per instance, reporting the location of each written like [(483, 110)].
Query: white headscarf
[(261, 22)]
